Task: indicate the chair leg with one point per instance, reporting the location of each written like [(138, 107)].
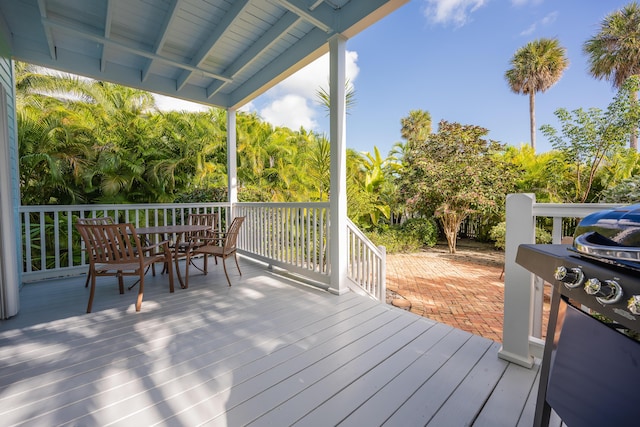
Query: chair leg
[(187, 263), (86, 282), (170, 268), (140, 292), (91, 293), (224, 265), (235, 256)]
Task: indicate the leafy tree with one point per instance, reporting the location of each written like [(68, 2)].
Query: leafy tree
[(614, 53), (535, 68), (454, 173), (589, 137)]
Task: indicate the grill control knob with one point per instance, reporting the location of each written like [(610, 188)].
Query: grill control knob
[(608, 293), (572, 278), (634, 305)]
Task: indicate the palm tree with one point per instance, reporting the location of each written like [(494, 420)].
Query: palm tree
[(416, 127), (323, 97), (316, 162), (535, 68), (614, 53)]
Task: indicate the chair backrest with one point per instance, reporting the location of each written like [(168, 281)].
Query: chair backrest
[(231, 237), (210, 220), (101, 220), (110, 242)]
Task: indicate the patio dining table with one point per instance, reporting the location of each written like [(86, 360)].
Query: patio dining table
[(178, 231)]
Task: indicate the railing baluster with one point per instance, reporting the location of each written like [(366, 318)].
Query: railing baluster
[(70, 238), (56, 240), (43, 244)]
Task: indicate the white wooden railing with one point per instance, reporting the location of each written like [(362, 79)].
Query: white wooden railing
[(523, 291), (292, 236), (367, 263)]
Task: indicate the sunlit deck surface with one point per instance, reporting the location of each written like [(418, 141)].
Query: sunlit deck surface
[(266, 351)]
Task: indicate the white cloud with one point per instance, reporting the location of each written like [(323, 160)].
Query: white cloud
[(547, 20), (248, 107), (293, 102), (518, 3), (456, 12), (166, 103), (530, 30), (291, 111)]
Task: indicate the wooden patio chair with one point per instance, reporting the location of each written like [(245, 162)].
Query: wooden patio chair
[(196, 239), (223, 246), (102, 220), (115, 250)]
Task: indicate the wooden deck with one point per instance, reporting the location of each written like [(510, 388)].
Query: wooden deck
[(266, 351)]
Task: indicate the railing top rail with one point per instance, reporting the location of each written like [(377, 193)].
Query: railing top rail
[(570, 209), (120, 207), (355, 230), (285, 204)]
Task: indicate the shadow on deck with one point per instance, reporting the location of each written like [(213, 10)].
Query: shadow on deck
[(266, 351)]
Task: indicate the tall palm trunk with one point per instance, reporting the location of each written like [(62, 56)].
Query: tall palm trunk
[(532, 118)]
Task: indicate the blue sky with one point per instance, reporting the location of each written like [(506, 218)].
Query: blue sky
[(449, 57)]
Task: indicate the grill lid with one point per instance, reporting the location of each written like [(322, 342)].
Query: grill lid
[(611, 235)]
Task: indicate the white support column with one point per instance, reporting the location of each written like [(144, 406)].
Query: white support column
[(518, 282), (9, 246), (232, 162), (338, 193)]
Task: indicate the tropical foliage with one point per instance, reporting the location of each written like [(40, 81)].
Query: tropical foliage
[(589, 138), (628, 192)]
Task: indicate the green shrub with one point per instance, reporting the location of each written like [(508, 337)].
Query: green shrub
[(499, 231), (395, 240), (411, 236), (628, 191), (423, 229)]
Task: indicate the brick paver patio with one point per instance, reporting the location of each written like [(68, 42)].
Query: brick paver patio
[(462, 290)]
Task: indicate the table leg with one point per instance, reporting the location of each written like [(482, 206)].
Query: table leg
[(183, 284)]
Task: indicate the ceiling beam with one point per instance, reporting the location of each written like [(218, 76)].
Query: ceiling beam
[(107, 34), (301, 9), (42, 7), (264, 42), (157, 48), (306, 50), (66, 27), (205, 50)]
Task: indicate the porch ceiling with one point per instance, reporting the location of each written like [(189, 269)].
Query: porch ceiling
[(217, 52)]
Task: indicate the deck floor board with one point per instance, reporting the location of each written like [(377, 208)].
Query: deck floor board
[(265, 351)]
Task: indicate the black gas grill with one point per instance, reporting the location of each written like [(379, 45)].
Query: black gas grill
[(591, 367)]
